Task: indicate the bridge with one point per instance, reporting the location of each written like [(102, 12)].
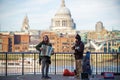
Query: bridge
[(98, 44)]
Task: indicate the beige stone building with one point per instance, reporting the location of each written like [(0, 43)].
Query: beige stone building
[(62, 21)]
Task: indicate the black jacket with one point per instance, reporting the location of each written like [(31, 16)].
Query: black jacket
[(79, 50)]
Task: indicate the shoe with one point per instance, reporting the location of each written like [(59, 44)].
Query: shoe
[(47, 77), (42, 77), (77, 77)]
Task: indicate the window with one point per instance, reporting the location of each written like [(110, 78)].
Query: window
[(57, 23), (64, 23), (0, 40), (0, 46)]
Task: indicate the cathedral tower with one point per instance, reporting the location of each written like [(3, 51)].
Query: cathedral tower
[(25, 25)]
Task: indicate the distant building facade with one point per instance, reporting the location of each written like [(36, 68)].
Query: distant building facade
[(60, 42), (99, 26), (21, 42), (14, 42), (6, 42)]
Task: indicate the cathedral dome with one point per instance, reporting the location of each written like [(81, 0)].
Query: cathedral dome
[(63, 11), (62, 19)]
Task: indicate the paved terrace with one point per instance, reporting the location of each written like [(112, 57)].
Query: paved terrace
[(53, 77)]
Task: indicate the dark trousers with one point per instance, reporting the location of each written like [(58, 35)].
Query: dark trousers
[(45, 67)]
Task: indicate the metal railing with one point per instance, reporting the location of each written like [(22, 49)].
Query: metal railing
[(20, 63)]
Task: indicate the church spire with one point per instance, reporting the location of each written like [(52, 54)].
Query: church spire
[(63, 3), (25, 25)]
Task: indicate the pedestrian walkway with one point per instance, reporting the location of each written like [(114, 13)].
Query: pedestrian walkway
[(53, 77)]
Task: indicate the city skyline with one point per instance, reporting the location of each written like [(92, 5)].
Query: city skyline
[(84, 12)]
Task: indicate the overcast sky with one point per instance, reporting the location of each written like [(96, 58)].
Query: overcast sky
[(86, 13)]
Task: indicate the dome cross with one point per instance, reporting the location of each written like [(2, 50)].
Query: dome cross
[(63, 3)]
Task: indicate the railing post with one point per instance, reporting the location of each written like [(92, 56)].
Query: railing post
[(117, 64), (6, 65), (55, 63), (96, 64), (72, 68), (22, 63), (34, 64), (64, 59)]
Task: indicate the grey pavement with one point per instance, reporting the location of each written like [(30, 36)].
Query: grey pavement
[(53, 77)]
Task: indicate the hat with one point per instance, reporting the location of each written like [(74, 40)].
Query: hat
[(78, 37)]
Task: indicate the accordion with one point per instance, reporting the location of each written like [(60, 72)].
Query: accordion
[(47, 50)]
